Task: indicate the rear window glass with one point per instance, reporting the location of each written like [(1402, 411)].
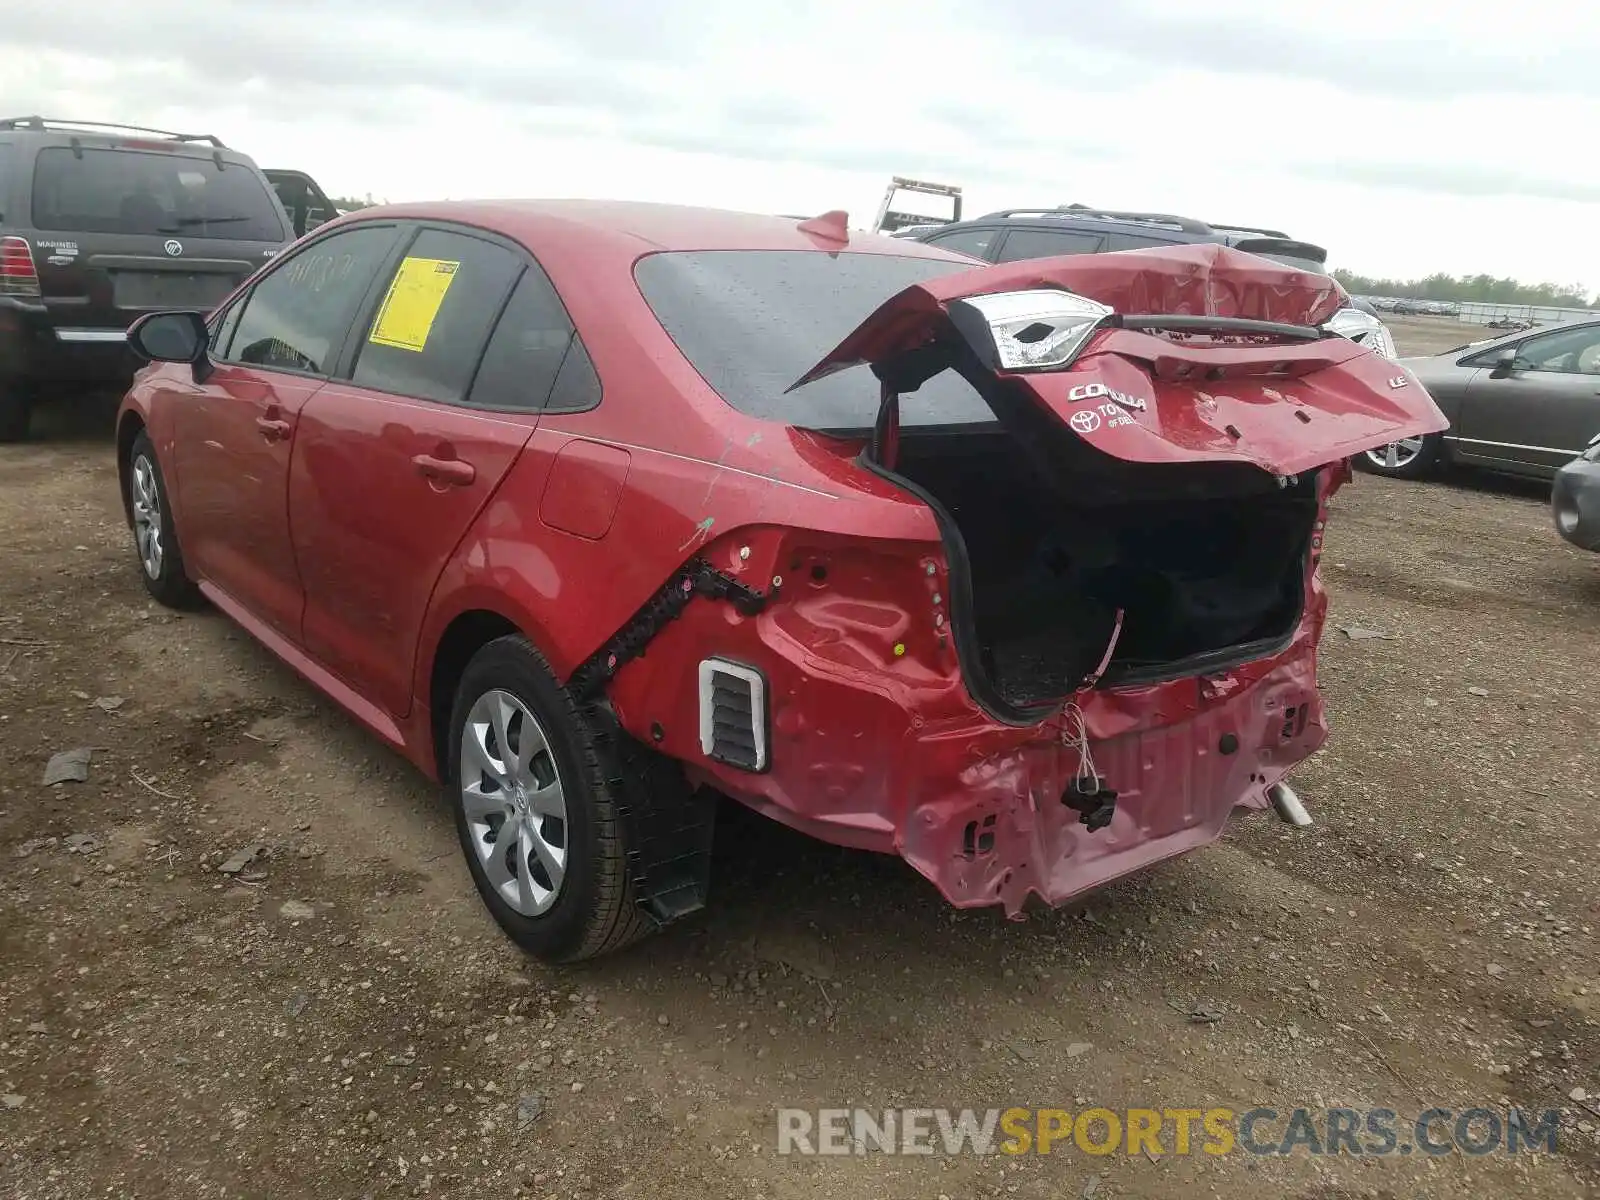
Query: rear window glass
[(1310, 266), (975, 242), (1299, 255), (5, 178), (152, 193), (753, 321)]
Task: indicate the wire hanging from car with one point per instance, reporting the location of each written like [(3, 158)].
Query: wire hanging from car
[(1074, 734)]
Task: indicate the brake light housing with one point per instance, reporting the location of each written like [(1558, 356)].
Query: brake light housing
[(18, 275)]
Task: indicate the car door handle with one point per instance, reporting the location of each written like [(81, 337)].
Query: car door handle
[(445, 470), (271, 429)]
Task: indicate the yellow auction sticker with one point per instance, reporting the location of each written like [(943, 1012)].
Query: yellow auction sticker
[(408, 311)]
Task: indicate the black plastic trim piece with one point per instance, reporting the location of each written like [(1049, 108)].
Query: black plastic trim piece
[(1175, 321), (695, 578), (670, 826)]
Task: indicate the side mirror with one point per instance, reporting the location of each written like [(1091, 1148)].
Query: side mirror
[(1505, 363), (175, 337)]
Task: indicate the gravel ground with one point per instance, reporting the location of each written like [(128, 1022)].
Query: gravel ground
[(339, 1018)]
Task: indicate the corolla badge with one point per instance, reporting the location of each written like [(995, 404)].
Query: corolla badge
[(1094, 391), (174, 247)]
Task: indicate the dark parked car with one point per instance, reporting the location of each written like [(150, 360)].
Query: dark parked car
[(1013, 234), (101, 223), (1526, 403), (596, 510), (1575, 499)]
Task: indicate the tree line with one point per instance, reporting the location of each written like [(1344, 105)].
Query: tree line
[(1480, 289)]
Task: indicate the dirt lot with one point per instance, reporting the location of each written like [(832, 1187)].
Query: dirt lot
[(342, 1019)]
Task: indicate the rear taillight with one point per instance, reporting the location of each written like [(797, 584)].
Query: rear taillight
[(18, 276)]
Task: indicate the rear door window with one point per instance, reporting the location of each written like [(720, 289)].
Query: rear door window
[(535, 360), (153, 194), (976, 242), (429, 329), (1048, 243), (296, 317)]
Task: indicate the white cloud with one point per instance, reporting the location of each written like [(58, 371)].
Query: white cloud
[(1404, 137)]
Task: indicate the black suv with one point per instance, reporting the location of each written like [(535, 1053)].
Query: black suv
[(100, 223), (1018, 233)]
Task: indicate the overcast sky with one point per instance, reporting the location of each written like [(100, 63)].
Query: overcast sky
[(1406, 136)]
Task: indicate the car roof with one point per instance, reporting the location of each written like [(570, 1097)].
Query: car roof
[(1156, 225), (632, 228), (104, 135)]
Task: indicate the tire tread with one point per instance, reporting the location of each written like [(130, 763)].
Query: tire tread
[(613, 918)]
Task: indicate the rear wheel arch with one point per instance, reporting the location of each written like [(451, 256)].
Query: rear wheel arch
[(466, 633)]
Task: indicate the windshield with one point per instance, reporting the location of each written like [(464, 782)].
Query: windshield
[(153, 194), (753, 321)]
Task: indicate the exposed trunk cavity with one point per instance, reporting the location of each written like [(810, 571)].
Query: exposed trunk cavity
[(1049, 540)]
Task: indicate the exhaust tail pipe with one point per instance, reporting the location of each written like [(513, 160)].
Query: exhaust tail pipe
[(1287, 805)]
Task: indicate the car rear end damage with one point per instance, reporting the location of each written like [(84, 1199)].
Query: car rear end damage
[(1107, 641), (837, 704)]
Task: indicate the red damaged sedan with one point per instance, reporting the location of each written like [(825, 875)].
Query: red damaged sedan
[(598, 511)]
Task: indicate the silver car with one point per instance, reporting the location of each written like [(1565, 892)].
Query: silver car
[(1526, 403)]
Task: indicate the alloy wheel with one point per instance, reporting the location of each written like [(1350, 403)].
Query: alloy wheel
[(1396, 454), (146, 504), (514, 801)]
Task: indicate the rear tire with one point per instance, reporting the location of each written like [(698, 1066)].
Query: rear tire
[(1412, 458), (16, 412), (561, 888), (155, 541)]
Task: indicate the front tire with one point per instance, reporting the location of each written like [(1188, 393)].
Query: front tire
[(155, 542), (537, 821), (1409, 458)]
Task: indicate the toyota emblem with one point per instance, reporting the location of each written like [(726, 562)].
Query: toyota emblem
[(174, 247), (1085, 420)]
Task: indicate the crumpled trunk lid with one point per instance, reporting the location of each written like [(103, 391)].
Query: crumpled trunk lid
[(1229, 363)]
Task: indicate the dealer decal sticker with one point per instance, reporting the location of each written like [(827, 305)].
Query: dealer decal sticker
[(408, 311)]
